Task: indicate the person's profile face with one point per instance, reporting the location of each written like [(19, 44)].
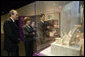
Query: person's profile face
[(15, 16), (43, 17), (28, 22)]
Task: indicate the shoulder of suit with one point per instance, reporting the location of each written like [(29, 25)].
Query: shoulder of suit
[(23, 26), (40, 22), (8, 20)]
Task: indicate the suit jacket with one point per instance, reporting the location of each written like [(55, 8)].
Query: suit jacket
[(28, 32), (11, 35), (42, 26)]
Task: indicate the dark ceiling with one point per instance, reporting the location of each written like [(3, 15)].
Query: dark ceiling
[(7, 5)]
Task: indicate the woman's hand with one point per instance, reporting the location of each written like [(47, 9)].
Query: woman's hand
[(48, 27), (33, 33)]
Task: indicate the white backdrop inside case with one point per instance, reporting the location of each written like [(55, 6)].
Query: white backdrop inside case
[(69, 17)]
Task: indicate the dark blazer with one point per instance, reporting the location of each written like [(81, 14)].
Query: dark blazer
[(28, 32), (43, 26), (11, 35)]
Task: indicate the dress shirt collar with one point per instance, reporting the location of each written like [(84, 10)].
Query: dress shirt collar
[(42, 21), (12, 19)]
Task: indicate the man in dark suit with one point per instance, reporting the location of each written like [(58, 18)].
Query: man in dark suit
[(43, 27), (11, 34)]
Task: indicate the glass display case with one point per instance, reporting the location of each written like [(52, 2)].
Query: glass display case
[(67, 26), (69, 31), (52, 20), (60, 19)]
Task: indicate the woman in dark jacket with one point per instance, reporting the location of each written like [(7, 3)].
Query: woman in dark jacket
[(28, 35)]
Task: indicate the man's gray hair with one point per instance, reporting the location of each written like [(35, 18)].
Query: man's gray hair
[(11, 12)]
